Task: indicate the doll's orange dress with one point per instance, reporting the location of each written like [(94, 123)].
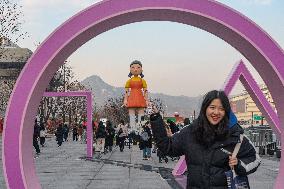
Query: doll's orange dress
[(136, 98)]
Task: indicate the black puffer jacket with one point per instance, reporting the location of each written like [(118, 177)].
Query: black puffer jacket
[(206, 166)]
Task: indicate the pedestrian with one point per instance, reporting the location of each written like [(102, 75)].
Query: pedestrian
[(160, 154), (130, 138), (121, 133), (36, 136), (59, 134), (75, 132), (84, 135), (42, 135), (145, 143), (208, 144), (80, 132), (100, 137), (1, 124), (110, 133), (174, 128), (65, 131)]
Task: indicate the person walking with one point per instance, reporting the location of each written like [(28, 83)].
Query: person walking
[(1, 125), (36, 136), (122, 132), (84, 135), (100, 137), (145, 143), (65, 132), (80, 132), (208, 144), (59, 134), (160, 154), (110, 132), (42, 135), (75, 132)]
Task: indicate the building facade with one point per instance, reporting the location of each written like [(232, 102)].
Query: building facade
[(246, 110), (12, 60)]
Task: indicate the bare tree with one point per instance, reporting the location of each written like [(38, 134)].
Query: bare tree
[(159, 104), (11, 20), (6, 90), (114, 111), (73, 108)]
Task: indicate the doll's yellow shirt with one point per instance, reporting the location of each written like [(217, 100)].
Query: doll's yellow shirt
[(127, 85)]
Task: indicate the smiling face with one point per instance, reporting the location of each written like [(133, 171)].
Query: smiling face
[(136, 69), (215, 112)]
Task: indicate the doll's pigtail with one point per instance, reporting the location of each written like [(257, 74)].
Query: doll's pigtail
[(141, 75), (130, 74)]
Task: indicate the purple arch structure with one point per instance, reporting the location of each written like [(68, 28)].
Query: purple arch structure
[(257, 46), (88, 96), (241, 72)]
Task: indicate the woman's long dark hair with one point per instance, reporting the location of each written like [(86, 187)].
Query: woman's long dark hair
[(204, 132)]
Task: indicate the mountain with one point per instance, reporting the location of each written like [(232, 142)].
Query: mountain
[(184, 105)]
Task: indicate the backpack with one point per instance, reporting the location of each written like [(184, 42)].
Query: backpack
[(144, 136)]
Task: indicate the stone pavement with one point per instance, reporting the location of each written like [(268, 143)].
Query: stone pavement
[(66, 167)]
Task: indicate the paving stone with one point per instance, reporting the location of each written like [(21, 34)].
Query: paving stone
[(66, 167)]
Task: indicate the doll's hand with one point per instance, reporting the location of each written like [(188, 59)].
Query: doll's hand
[(148, 103), (125, 103)]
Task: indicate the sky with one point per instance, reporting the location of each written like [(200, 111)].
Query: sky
[(177, 59)]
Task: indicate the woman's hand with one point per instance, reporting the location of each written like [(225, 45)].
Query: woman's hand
[(233, 161)]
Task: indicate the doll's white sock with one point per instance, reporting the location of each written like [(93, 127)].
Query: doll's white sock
[(139, 119), (132, 121)]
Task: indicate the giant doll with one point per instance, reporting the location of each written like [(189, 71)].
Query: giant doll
[(136, 94)]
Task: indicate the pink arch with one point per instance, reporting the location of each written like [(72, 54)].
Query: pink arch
[(240, 72), (263, 53)]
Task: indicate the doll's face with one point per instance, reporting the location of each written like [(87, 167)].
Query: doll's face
[(136, 69)]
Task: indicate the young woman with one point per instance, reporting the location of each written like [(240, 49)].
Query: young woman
[(208, 143)]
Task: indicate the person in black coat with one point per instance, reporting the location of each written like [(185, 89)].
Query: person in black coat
[(36, 135), (208, 144), (75, 132), (59, 134), (145, 143), (101, 136), (65, 131), (174, 128), (110, 132)]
